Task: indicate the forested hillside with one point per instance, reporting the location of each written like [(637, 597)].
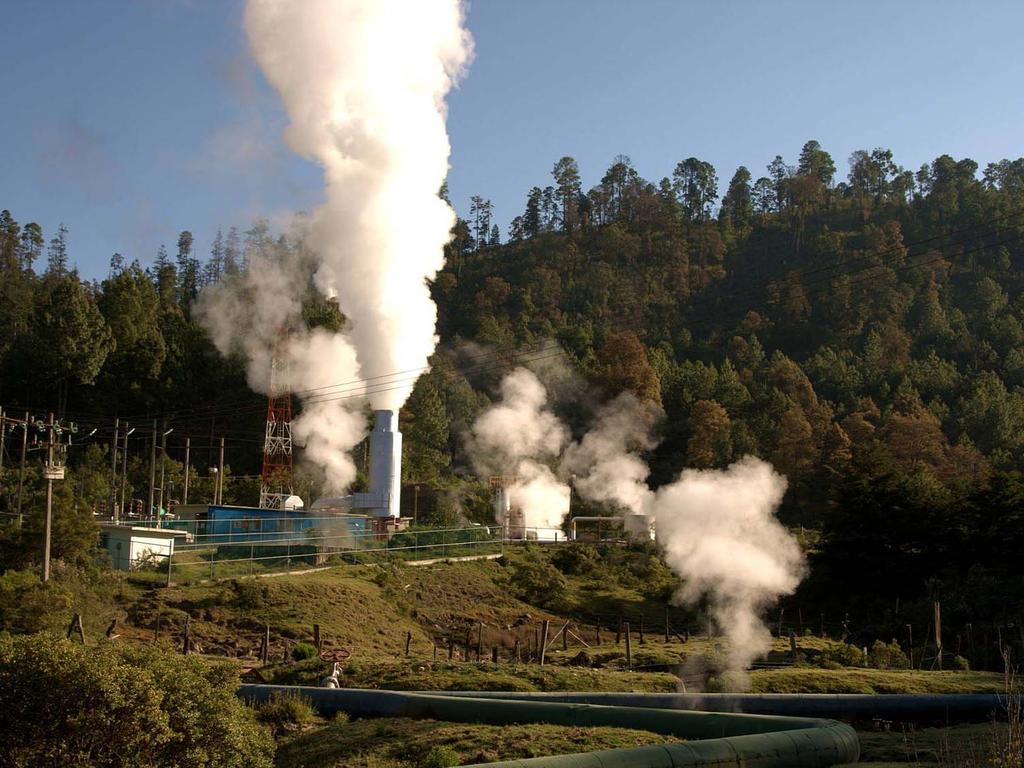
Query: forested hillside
[(862, 331)]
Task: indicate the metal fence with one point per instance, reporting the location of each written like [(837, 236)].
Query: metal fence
[(210, 550)]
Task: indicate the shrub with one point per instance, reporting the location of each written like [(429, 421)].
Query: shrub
[(843, 654), (888, 656), (575, 559), (440, 757), (115, 705), (284, 712), (251, 594), (29, 605), (303, 651), (537, 581), (959, 662)]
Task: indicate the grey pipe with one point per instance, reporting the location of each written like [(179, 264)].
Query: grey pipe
[(724, 739), (945, 708)]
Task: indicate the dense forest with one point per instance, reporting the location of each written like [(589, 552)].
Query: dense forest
[(865, 334)]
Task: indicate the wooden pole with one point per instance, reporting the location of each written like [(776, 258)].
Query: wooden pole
[(597, 633), (494, 654), (316, 638), (618, 631), (518, 652), (21, 468), (544, 640), (479, 638), (629, 651), (565, 637), (408, 640), (642, 641), (76, 628), (265, 648), (186, 641), (667, 626), (938, 632), (188, 450)]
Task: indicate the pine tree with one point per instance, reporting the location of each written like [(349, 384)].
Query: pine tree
[(57, 254)]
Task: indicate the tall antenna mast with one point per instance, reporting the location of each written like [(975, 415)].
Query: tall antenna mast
[(276, 478)]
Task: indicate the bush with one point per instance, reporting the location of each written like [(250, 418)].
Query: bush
[(29, 605), (440, 757), (284, 712), (251, 594), (303, 651), (116, 705), (538, 582), (888, 656), (575, 559), (844, 654), (959, 662)]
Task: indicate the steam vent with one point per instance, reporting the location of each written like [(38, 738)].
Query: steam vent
[(384, 495)]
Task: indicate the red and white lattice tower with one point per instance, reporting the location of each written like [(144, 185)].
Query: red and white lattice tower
[(276, 478)]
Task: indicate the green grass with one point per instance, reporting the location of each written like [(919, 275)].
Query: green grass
[(810, 680), (484, 676), (949, 746), (399, 743)]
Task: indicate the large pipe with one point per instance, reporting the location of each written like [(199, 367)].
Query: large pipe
[(932, 708), (723, 739)]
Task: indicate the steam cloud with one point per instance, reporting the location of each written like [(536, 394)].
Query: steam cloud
[(364, 83), (717, 528), (515, 437)]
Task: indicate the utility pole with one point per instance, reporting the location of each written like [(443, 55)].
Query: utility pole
[(152, 474), (113, 471), (188, 447), (21, 470), (163, 463), (220, 474), (124, 471), (51, 472), (3, 437)]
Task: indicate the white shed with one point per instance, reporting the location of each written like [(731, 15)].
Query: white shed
[(133, 545)]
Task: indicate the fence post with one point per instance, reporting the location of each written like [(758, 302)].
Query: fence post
[(408, 639), (186, 643), (170, 558), (518, 652), (642, 641), (494, 654), (618, 631), (667, 625), (597, 632), (629, 651), (479, 638), (544, 640), (316, 638)]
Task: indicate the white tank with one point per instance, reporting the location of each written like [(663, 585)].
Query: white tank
[(384, 496), (386, 464)]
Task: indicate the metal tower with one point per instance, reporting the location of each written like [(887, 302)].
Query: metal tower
[(276, 477)]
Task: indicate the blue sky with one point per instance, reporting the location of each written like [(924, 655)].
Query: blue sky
[(131, 120)]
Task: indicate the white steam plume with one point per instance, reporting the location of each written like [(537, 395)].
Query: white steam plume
[(720, 534), (364, 82), (717, 528), (515, 437), (606, 464)]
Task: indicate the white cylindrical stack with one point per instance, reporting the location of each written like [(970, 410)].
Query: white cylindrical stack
[(386, 464)]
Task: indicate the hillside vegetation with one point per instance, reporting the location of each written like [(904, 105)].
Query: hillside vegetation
[(863, 331)]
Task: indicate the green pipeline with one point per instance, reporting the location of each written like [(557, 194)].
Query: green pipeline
[(712, 738)]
